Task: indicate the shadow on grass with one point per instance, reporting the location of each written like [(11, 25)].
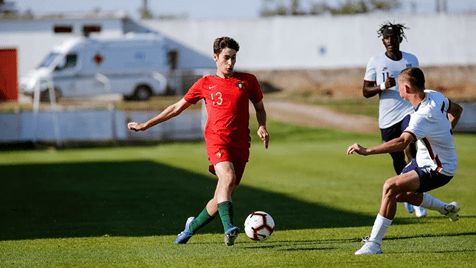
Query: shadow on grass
[(432, 235), (138, 198)]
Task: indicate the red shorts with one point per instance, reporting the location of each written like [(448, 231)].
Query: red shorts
[(237, 156)]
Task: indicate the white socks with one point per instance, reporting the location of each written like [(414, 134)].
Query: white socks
[(432, 203), (381, 225)]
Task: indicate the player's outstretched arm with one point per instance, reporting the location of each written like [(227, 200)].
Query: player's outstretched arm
[(261, 117), (395, 145), (169, 112)]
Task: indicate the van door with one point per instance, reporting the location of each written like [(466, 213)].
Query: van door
[(93, 79), (64, 75)]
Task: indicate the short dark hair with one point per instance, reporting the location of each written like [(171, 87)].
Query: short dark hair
[(225, 42), (415, 77), (389, 27)]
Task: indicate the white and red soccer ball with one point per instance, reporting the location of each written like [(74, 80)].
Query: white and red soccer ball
[(259, 225)]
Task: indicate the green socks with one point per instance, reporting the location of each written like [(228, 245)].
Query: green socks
[(201, 220), (225, 210)]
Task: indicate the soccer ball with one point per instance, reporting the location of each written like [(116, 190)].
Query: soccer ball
[(259, 225)]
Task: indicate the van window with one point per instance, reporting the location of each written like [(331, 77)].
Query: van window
[(70, 61), (48, 60), (173, 59)]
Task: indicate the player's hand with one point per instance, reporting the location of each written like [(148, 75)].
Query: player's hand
[(390, 82), (264, 136), (136, 126), (357, 149)]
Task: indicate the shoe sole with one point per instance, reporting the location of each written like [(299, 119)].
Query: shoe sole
[(358, 254), (183, 241)]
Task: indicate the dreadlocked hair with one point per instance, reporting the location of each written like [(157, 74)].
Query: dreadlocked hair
[(398, 26)]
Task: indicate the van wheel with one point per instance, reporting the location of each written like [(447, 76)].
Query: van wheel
[(45, 95), (142, 93)]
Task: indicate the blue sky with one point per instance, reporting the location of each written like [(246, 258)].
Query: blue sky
[(204, 9)]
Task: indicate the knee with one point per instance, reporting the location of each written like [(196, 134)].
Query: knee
[(389, 188)]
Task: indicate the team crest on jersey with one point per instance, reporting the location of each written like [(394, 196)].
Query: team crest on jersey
[(240, 85), (409, 65), (219, 154), (384, 69)]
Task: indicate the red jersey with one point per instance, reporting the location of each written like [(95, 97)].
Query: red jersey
[(227, 103)]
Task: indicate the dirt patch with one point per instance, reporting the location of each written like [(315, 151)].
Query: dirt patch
[(318, 116), (456, 82)]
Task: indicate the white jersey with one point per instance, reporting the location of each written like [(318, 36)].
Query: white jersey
[(392, 108), (431, 127)]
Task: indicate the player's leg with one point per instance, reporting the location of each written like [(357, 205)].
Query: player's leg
[(398, 158), (219, 204), (205, 217), (221, 201), (226, 181), (392, 189), (431, 180), (450, 210), (399, 164), (193, 225), (395, 187), (410, 153), (223, 196)]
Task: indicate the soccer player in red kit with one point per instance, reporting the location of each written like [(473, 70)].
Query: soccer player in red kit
[(227, 134)]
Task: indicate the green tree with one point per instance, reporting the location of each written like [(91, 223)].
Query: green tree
[(278, 8)]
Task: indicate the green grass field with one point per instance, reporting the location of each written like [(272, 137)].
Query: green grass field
[(124, 206)]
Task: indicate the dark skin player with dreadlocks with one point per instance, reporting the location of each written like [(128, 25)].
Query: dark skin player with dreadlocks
[(380, 79)]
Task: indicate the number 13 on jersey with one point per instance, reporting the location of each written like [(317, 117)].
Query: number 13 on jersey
[(217, 98)]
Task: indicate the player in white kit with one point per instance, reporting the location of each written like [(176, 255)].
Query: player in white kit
[(380, 78), (435, 164)]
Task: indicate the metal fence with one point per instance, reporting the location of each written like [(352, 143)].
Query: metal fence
[(95, 125)]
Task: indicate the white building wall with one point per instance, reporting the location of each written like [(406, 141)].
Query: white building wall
[(272, 43), (326, 41)]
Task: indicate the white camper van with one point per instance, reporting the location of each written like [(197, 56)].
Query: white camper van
[(134, 66)]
